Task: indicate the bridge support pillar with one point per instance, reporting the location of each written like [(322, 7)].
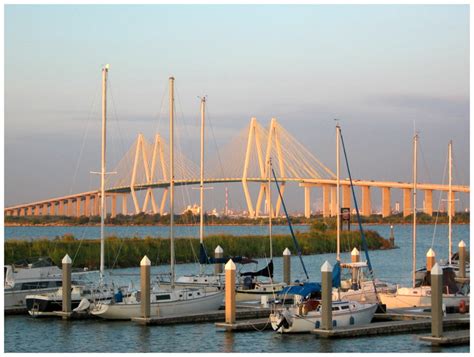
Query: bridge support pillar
[(366, 204), (61, 208), (326, 193), (407, 210), (22, 211), (29, 211), (78, 206), (45, 209), (333, 201), (124, 204), (307, 202), (386, 209), (346, 196), (96, 205), (69, 208), (451, 207), (113, 212), (428, 207), (87, 206)]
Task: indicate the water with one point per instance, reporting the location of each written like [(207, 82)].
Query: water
[(25, 334), (51, 232)]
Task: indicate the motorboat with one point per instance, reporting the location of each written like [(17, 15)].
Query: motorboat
[(28, 277)]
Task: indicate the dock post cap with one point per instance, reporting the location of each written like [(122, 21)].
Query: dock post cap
[(436, 270), (462, 244), (145, 261), (171, 78), (326, 267), (431, 253), (230, 265), (219, 249), (391, 226), (355, 251), (286, 252), (67, 259)]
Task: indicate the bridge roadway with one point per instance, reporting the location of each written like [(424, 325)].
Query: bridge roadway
[(87, 203)]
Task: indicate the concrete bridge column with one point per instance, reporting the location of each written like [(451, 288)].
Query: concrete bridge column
[(407, 210), (22, 211), (38, 210), (386, 209), (366, 205), (428, 209), (113, 212), (124, 204), (451, 207), (307, 201), (333, 201), (78, 206), (87, 206), (326, 192), (346, 196), (61, 208), (52, 208), (96, 205), (29, 211), (70, 207)]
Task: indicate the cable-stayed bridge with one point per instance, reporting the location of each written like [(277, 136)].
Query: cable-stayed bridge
[(145, 167)]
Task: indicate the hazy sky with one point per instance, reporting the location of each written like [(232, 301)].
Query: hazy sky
[(380, 69)]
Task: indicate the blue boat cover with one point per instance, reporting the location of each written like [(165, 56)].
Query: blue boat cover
[(307, 288)]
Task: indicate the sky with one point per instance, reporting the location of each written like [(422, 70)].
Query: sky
[(382, 70)]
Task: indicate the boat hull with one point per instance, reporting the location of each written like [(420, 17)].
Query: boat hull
[(125, 311), (296, 323)]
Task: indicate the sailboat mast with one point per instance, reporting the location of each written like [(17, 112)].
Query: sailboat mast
[(201, 184), (338, 210), (171, 105), (450, 203), (270, 207), (415, 142), (105, 71)]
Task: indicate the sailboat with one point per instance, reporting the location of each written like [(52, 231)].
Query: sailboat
[(250, 287), (305, 313), (84, 295), (419, 294), (172, 300), (360, 286)]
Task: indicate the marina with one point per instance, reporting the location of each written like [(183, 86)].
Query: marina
[(313, 225)]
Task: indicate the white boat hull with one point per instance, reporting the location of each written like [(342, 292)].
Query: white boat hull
[(418, 297), (297, 323), (125, 311), (15, 300), (255, 294)]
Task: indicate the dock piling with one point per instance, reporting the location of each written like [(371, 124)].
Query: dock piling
[(355, 258), (392, 237), (462, 259), (230, 292), (436, 301), (145, 286), (430, 259), (218, 253), (326, 296), (66, 286), (287, 266)]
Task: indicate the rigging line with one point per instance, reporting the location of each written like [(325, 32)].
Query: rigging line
[(158, 121), (295, 242), (439, 203), (425, 164), (89, 117), (208, 117), (364, 242)]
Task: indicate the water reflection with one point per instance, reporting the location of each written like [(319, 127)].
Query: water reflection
[(326, 345), (228, 341), (144, 339)]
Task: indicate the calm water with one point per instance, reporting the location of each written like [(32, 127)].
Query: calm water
[(24, 334), (28, 233)]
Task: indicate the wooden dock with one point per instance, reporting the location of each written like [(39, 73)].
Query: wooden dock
[(210, 316), (449, 338), (390, 327), (247, 325)]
